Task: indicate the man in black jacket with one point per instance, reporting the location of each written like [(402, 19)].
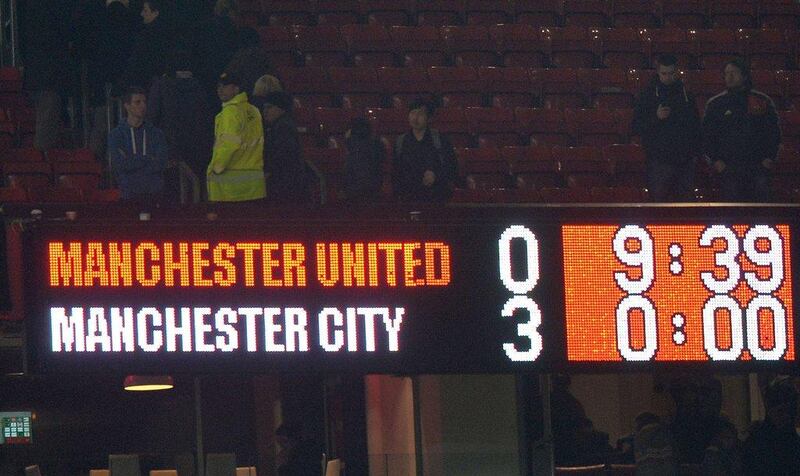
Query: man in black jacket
[(424, 160), (741, 136), (287, 180), (666, 118)]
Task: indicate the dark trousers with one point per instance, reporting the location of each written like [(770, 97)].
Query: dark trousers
[(746, 183), (670, 181)]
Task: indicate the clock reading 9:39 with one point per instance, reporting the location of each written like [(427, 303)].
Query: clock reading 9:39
[(676, 293)]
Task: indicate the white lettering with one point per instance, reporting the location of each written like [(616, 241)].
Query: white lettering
[(98, 331), (224, 320), (271, 328), (324, 334), (142, 327), (174, 330), (66, 331)]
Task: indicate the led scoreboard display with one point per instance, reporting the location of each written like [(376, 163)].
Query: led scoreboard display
[(478, 290)]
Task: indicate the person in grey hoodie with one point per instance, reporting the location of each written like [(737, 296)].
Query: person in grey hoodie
[(138, 152)]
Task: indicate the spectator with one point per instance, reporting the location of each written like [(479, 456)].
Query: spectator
[(178, 107), (267, 84), (138, 152), (723, 457), (250, 62), (148, 58), (283, 162), (654, 451), (217, 41), (666, 118), (698, 404), (773, 446), (625, 444), (424, 160), (363, 171), (297, 455), (236, 172), (741, 136), (105, 30)]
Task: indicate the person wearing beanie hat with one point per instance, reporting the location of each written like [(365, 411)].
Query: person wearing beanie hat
[(235, 172), (284, 166), (741, 136)]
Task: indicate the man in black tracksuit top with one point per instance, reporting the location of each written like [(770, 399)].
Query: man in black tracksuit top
[(741, 137), (666, 118)]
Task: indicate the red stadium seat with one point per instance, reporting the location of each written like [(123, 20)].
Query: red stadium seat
[(623, 48), (544, 126), (582, 167), (634, 13), (338, 12), (607, 88), (452, 122), (715, 47), (587, 13), (370, 45), (732, 14), (484, 168), (487, 12), (354, 80), (782, 15), (532, 166), (672, 41), (766, 81), (440, 13), (683, 13), (23, 155), (388, 121), (57, 194), (318, 38), (509, 86), (557, 88), (70, 155), (454, 79), (103, 195), (311, 101), (493, 125), (288, 12), (471, 43), (10, 80), (28, 175), (361, 101), (276, 38), (521, 45), (629, 164), (13, 194), (790, 127), (787, 169), (403, 80), (419, 46), (538, 12), (767, 49), (573, 47), (593, 127), (566, 195), (305, 80), (82, 175), (335, 120), (619, 195)]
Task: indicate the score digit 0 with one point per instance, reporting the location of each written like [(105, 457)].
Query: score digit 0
[(520, 301)]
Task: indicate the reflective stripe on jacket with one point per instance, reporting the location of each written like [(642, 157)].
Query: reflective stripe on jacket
[(239, 150)]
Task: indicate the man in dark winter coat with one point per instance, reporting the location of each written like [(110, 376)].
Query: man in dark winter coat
[(363, 171), (667, 120), (148, 58), (287, 180), (424, 160), (741, 136)]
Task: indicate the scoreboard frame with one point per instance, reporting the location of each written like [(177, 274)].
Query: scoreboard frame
[(546, 221)]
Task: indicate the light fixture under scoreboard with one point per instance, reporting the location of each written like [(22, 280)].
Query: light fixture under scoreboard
[(514, 290)]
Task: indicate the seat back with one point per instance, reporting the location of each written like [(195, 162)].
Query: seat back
[(124, 465), (220, 464)]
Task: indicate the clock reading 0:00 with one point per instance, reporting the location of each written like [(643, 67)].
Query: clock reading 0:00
[(762, 245)]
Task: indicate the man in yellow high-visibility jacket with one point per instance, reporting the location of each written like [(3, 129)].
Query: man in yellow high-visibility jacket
[(236, 171)]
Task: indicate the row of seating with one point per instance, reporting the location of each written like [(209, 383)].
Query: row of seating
[(524, 45), (30, 154), (33, 175), (495, 126), (366, 87), (17, 122), (639, 13), (57, 194)]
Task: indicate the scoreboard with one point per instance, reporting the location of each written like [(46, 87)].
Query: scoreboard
[(492, 289)]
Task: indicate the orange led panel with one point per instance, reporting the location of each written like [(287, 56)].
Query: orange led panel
[(678, 293)]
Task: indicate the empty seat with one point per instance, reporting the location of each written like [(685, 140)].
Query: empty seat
[(334, 120), (623, 48), (782, 15), (583, 166), (388, 121), (440, 13), (587, 13), (487, 12), (715, 47), (471, 45), (767, 49), (276, 38), (573, 47), (321, 45), (683, 13), (23, 155), (10, 80), (338, 12), (494, 126), (521, 45), (387, 12), (305, 80), (543, 126), (83, 175), (509, 86), (370, 45), (593, 127), (421, 42), (13, 194), (403, 80), (538, 12), (28, 175), (70, 155), (556, 88), (732, 14), (459, 86), (103, 195), (629, 164), (532, 166), (634, 13), (288, 12), (354, 80), (607, 88), (484, 167), (672, 41)]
